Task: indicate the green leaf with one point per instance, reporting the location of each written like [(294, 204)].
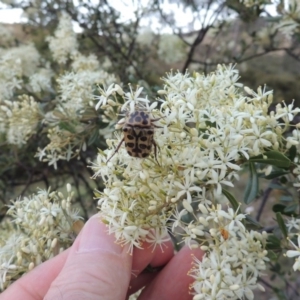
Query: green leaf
[(93, 137), (280, 208), (274, 174), (273, 158), (281, 224), (252, 185), (286, 198), (292, 209), (231, 199), (292, 153), (272, 255), (283, 180), (275, 186), (67, 126), (273, 242), (252, 220)]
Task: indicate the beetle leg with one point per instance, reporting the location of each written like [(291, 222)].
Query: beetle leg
[(157, 126), (117, 149), (154, 120), (155, 151)]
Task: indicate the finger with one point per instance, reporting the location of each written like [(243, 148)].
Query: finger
[(35, 284), (173, 281), (148, 256), (94, 266), (156, 257), (142, 280)]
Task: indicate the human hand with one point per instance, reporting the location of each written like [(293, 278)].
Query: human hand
[(95, 267)]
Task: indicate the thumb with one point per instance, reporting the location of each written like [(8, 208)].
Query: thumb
[(94, 267)]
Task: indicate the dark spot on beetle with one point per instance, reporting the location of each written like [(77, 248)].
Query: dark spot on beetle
[(149, 147), (150, 131), (129, 152), (137, 150), (138, 119), (143, 146), (130, 145), (134, 114), (145, 154), (144, 115), (125, 129), (143, 138), (145, 122), (129, 137)]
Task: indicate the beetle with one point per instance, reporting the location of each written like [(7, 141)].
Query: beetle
[(138, 131)]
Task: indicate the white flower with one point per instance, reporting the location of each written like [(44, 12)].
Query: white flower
[(11, 72), (41, 80), (105, 94), (289, 23), (64, 42), (133, 99), (22, 119), (44, 220), (294, 253), (293, 223), (187, 186)]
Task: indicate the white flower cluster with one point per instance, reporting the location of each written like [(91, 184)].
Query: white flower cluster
[(75, 89), (19, 119), (44, 226), (289, 24), (81, 62), (15, 63), (207, 128), (234, 256), (293, 226), (295, 253), (64, 42), (41, 80)]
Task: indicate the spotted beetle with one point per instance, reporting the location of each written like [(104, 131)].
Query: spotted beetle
[(138, 130)]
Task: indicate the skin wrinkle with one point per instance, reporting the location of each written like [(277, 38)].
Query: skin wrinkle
[(28, 291), (58, 294), (97, 277)]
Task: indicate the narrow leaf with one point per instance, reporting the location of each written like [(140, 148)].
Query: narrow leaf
[(292, 153), (292, 209), (231, 199), (280, 208), (252, 220), (286, 198), (274, 174), (67, 126), (274, 158), (281, 224), (273, 242), (252, 185), (275, 186), (93, 137), (272, 255)]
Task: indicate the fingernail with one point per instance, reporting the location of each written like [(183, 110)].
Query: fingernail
[(94, 237)]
